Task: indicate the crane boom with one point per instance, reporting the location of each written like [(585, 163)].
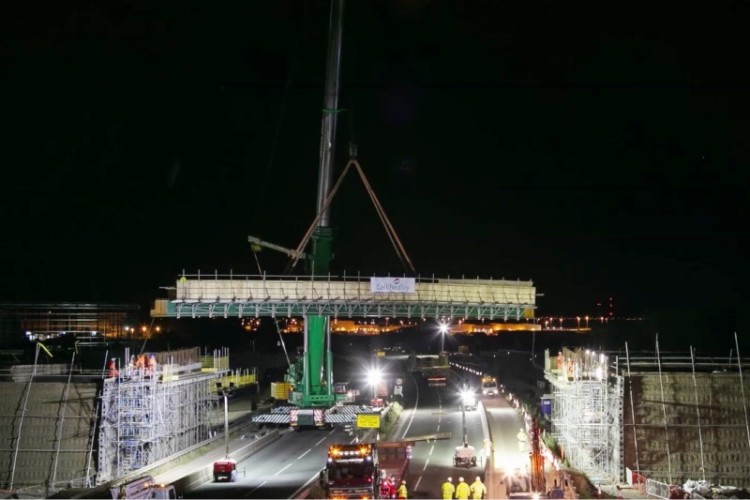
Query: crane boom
[(294, 254), (312, 376)]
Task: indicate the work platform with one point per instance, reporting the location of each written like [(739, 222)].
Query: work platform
[(208, 296)]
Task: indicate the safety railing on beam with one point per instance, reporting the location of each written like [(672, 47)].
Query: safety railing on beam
[(263, 288), (215, 295)]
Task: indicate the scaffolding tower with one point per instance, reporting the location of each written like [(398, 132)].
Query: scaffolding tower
[(668, 418), (587, 412), (149, 415)]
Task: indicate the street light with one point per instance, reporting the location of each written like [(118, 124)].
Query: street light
[(374, 376), (467, 397), (443, 328), (226, 422)]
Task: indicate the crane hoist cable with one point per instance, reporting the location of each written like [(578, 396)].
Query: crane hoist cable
[(254, 248), (390, 231)]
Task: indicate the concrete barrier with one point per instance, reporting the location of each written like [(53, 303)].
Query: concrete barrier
[(493, 488), (164, 471)]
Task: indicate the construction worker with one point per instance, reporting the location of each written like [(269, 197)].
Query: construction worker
[(478, 489), (131, 370), (462, 489), (151, 365), (141, 364), (448, 489), (387, 487), (401, 492), (112, 370)]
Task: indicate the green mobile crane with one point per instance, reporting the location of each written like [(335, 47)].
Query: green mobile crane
[(311, 377)]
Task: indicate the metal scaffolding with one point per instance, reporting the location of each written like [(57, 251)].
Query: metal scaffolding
[(150, 415), (663, 418), (587, 413)]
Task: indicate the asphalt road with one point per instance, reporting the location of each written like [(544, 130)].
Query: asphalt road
[(279, 470), (434, 411), (294, 461)]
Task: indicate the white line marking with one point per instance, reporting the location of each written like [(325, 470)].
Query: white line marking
[(283, 469), (416, 485), (251, 491), (416, 405), (316, 444), (431, 449), (305, 453), (425, 465), (297, 494)]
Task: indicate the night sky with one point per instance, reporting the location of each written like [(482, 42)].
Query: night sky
[(598, 150)]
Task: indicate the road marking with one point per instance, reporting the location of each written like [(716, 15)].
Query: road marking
[(305, 453), (316, 444), (283, 469), (425, 465), (416, 405), (253, 490), (431, 449), (416, 485), (438, 427), (411, 419), (298, 493)]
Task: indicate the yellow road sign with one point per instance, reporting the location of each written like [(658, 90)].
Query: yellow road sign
[(368, 421)]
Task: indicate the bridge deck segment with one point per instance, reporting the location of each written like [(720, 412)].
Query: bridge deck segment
[(258, 296)]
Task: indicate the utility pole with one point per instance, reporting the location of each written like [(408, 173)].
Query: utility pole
[(463, 417), (226, 423)]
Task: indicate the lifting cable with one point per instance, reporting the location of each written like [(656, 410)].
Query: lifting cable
[(392, 235), (275, 320)]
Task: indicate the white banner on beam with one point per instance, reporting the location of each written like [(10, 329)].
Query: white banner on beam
[(393, 285)]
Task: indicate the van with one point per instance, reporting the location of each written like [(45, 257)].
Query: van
[(225, 470)]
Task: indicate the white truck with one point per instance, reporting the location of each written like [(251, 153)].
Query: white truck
[(489, 386)]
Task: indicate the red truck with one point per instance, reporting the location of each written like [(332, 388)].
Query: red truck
[(361, 470)]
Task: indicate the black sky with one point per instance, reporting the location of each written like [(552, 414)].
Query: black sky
[(599, 151)]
